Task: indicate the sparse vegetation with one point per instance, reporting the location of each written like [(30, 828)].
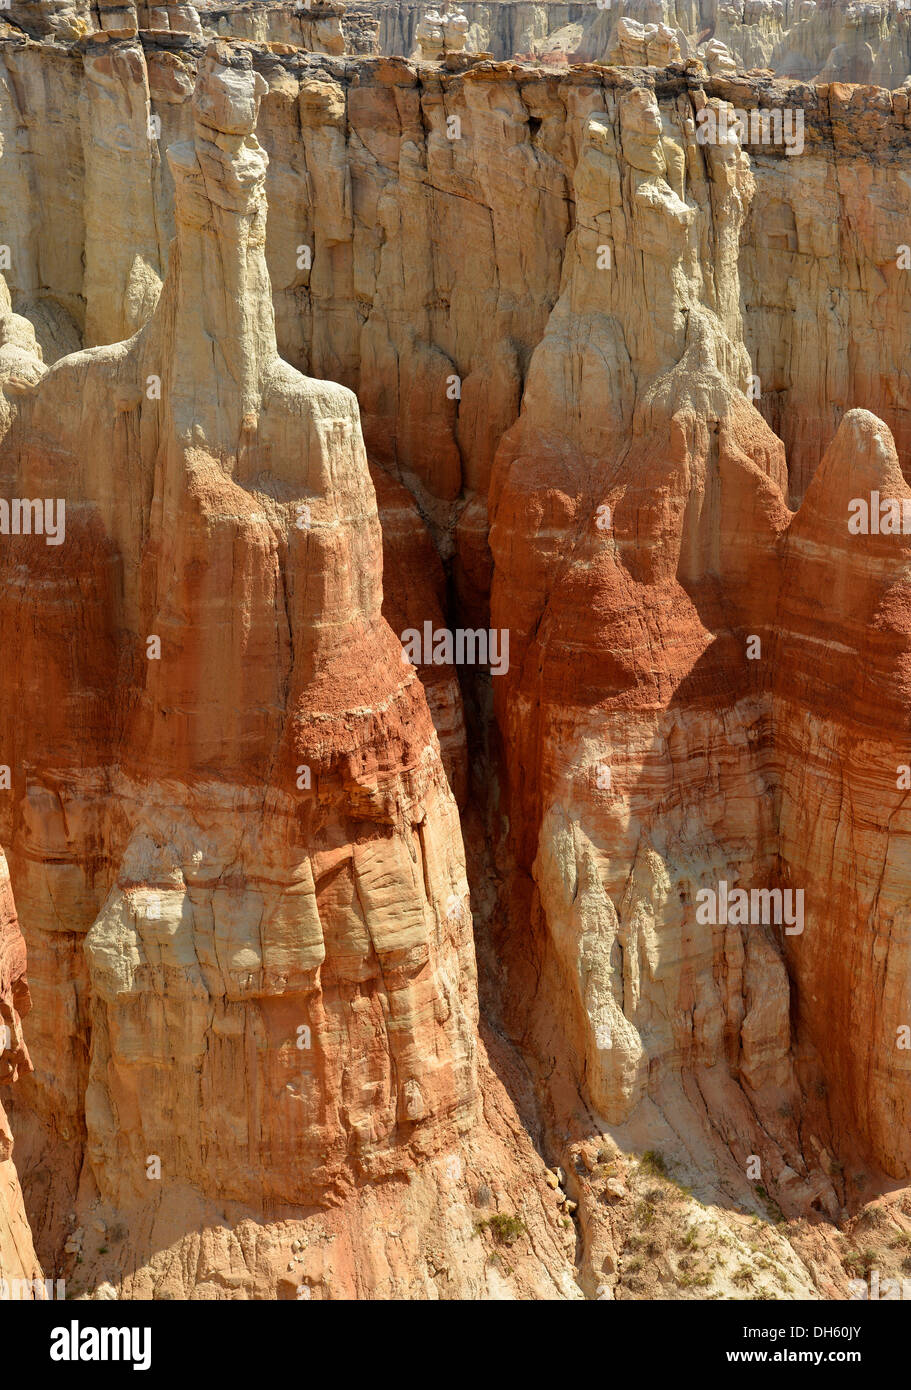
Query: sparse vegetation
[(644, 1215), (504, 1229), (859, 1261), (653, 1163), (773, 1210)]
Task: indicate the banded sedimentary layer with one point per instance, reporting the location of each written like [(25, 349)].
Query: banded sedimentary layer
[(18, 1262), (618, 387), (248, 888)]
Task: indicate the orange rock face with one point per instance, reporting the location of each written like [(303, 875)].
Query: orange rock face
[(607, 378), (237, 809), (701, 682), (20, 1273), (633, 523)]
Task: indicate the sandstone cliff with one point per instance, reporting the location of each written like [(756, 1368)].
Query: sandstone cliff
[(18, 1263), (20, 364), (246, 888), (827, 40), (361, 164), (618, 388)]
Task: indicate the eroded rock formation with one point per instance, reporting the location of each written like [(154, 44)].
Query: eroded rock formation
[(618, 386), (18, 1262), (441, 32), (662, 663), (832, 40), (262, 870)]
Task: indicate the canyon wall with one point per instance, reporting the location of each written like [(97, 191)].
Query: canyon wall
[(18, 1261), (617, 388), (673, 649), (502, 28), (824, 40), (861, 41), (361, 165), (20, 363), (235, 843)]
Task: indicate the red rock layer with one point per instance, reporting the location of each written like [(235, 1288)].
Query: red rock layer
[(702, 688), (235, 804), (20, 1273)]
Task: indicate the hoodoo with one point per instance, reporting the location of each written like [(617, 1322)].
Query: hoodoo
[(455, 600)]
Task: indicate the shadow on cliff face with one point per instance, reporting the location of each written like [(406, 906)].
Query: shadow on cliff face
[(631, 660), (237, 818), (732, 771), (652, 757)]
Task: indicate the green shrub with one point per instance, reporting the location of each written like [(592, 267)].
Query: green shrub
[(653, 1162), (503, 1228), (860, 1260)]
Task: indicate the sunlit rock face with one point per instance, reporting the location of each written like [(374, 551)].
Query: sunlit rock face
[(620, 387), (20, 1274), (318, 26), (644, 45), (680, 719), (634, 503), (440, 32), (235, 842)]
